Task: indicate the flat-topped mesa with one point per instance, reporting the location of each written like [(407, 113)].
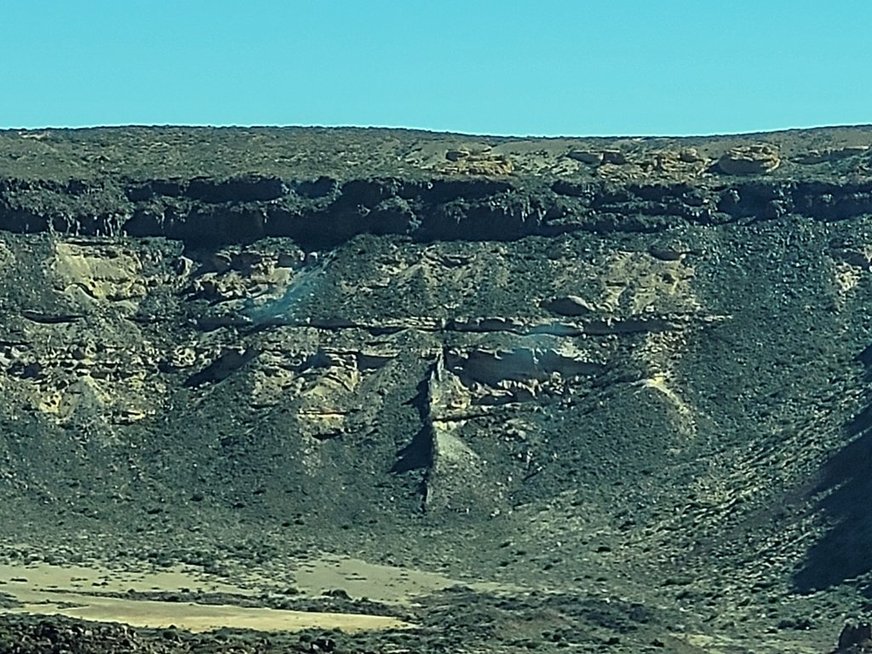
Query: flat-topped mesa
[(323, 187), (606, 365)]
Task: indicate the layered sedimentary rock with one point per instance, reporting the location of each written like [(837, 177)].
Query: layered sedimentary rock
[(644, 347)]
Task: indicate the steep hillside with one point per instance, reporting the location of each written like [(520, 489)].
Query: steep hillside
[(619, 387)]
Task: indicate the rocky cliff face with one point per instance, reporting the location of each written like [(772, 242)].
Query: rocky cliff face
[(637, 362)]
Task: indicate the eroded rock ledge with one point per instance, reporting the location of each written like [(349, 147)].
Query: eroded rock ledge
[(427, 186), (324, 213)]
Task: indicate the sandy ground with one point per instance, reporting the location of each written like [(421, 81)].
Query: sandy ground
[(81, 592), (380, 583), (193, 617)]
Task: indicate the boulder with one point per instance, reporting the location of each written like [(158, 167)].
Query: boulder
[(755, 159), (856, 637), (478, 161), (615, 157), (690, 155), (589, 157), (569, 305)]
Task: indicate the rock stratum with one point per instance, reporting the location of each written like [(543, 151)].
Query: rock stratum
[(623, 381)]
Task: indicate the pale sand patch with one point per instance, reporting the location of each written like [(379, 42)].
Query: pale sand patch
[(78, 592), (381, 583), (42, 576), (660, 383), (193, 617)]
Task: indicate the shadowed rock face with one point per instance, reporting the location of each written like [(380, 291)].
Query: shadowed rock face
[(843, 551), (553, 362)]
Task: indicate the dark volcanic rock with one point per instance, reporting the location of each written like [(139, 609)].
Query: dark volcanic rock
[(856, 637)]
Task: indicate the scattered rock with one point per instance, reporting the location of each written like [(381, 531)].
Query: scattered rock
[(323, 644), (756, 159), (597, 157), (684, 161), (483, 162), (338, 593), (824, 155), (494, 367)]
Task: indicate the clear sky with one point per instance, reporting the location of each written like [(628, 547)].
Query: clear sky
[(521, 67)]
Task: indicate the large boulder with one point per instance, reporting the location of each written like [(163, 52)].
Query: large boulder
[(754, 159)]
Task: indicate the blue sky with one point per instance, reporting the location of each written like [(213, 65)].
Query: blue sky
[(521, 67)]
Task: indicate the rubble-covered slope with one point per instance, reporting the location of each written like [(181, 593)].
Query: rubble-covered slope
[(639, 362)]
